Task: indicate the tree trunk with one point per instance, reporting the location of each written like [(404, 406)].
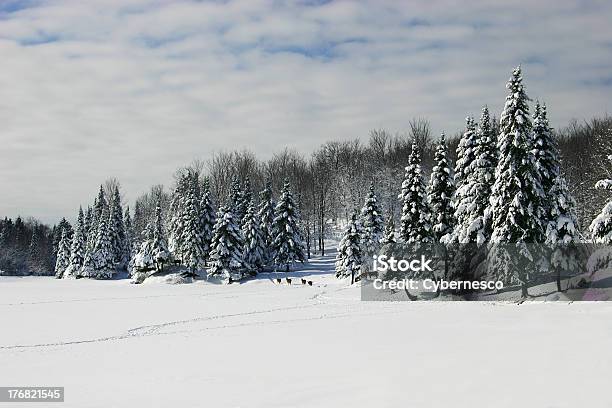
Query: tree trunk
[(524, 292)]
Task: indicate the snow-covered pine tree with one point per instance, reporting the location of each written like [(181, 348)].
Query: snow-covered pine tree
[(265, 213), (77, 248), (349, 257), (159, 247), (516, 210), (546, 156), (601, 227), (389, 237), (207, 218), (227, 247), (129, 237), (99, 262), (416, 216), (117, 229), (254, 247), (372, 223), (440, 192), (58, 232), (63, 255), (100, 205), (465, 152), (87, 223), (287, 245), (562, 231), (191, 247), (176, 215), (143, 264), (472, 199)]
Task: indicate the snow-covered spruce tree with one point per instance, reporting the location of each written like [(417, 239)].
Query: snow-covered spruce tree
[(227, 247), (546, 156), (77, 248), (129, 237), (254, 247), (191, 246), (153, 253), (87, 222), (416, 216), (207, 218), (472, 198), (117, 229), (100, 206), (176, 215), (99, 262), (62, 259), (372, 223), (562, 232), (265, 214), (349, 257), (143, 264), (389, 237), (440, 192), (287, 245), (601, 227), (58, 232), (465, 152), (516, 210)]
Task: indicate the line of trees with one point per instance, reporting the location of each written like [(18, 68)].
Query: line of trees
[(507, 196), (326, 187)]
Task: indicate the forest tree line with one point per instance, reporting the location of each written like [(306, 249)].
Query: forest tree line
[(327, 186)]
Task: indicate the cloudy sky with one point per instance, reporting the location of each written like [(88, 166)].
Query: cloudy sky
[(136, 88)]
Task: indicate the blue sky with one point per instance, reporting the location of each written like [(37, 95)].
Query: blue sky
[(136, 88)]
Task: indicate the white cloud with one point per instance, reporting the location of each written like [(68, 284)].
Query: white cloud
[(136, 88)]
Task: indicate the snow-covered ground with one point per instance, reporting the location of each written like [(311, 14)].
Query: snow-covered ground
[(260, 344)]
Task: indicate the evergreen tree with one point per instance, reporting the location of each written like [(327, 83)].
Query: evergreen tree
[(389, 237), (58, 232), (63, 255), (546, 157), (87, 223), (99, 262), (227, 247), (287, 245), (207, 219), (562, 231), (349, 258), (191, 246), (177, 211), (37, 257), (440, 192), (100, 206), (254, 249), (472, 199), (416, 216), (601, 227), (129, 236), (117, 229), (516, 210), (235, 200), (465, 152), (153, 253), (372, 223), (265, 213), (77, 248)]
